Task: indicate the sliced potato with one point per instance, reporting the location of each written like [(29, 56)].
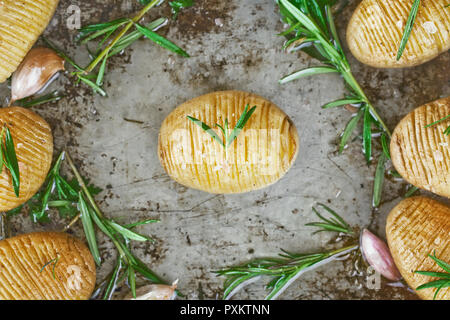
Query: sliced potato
[(376, 28), (422, 155), (21, 23), (33, 144), (416, 227), (45, 265), (262, 153)]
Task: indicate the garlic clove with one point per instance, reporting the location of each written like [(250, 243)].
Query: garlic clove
[(35, 71), (377, 254), (155, 292)]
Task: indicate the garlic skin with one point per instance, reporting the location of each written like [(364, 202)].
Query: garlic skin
[(155, 292), (377, 254), (38, 67)]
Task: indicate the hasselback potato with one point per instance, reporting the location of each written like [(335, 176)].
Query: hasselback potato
[(261, 154), (33, 143), (21, 23), (415, 228), (422, 155), (375, 31), (45, 265)]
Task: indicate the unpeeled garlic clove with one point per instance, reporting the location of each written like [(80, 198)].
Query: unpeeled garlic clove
[(377, 254), (35, 71), (155, 292)]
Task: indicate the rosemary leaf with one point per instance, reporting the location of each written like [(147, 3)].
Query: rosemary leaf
[(207, 129), (101, 72), (132, 280), (408, 28), (306, 73), (284, 270), (245, 116), (112, 283), (446, 131), (367, 134), (444, 277), (51, 97), (11, 162), (89, 231), (306, 24), (133, 36), (339, 103), (97, 30), (385, 146), (410, 191), (379, 180), (160, 40), (336, 223), (177, 5)]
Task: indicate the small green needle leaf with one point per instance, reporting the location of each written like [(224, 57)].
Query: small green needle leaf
[(160, 40), (11, 161), (408, 28), (379, 180)]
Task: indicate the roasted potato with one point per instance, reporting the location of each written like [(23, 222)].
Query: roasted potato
[(422, 155), (261, 154), (21, 23), (45, 266), (415, 228), (33, 143), (376, 28)]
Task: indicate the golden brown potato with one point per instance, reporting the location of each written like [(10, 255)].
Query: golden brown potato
[(376, 28), (21, 23), (24, 277), (33, 143), (416, 227), (262, 153), (422, 155)]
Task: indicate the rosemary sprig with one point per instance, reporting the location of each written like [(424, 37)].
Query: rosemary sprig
[(108, 46), (447, 130), (408, 28), (287, 267), (8, 158), (443, 277), (228, 137), (312, 27), (283, 270), (54, 262)]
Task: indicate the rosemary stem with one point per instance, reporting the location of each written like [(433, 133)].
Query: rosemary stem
[(127, 27)]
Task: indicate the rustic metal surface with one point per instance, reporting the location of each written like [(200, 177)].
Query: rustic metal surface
[(233, 45)]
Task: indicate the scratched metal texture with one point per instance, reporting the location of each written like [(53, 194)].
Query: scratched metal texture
[(233, 45)]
